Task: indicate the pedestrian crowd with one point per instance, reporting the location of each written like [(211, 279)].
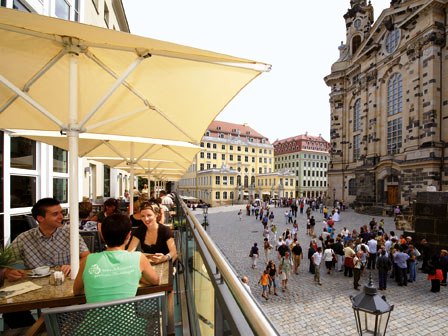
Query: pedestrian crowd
[(394, 258)]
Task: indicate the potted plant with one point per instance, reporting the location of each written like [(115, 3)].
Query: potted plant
[(7, 258)]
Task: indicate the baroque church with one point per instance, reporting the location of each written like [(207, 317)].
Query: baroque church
[(389, 103)]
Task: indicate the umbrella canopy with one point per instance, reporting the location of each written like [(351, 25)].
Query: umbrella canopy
[(64, 76), (125, 84)]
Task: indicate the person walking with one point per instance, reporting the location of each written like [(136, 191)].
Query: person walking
[(254, 255), (240, 214), (349, 254), (264, 282), (267, 247), (285, 270), (245, 281), (272, 269), (297, 255), (383, 265), (317, 259)]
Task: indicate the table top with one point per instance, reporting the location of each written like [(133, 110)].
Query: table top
[(57, 296)]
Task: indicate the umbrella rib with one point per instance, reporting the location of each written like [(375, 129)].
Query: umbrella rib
[(144, 153), (116, 151), (112, 89), (36, 76), (31, 101), (102, 65), (175, 152)]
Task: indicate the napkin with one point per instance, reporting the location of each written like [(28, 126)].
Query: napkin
[(18, 289)]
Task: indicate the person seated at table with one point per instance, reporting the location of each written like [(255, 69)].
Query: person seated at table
[(110, 207), (49, 243), (153, 237), (114, 273), (85, 223), (136, 219), (46, 245)]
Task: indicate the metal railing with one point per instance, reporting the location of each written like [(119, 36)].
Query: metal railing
[(240, 312)]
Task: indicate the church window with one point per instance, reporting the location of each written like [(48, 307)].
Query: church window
[(392, 40), (356, 42), (356, 147), (394, 136), (357, 116), (352, 187), (395, 94)]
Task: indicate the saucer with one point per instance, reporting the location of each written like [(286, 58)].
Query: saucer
[(40, 275)]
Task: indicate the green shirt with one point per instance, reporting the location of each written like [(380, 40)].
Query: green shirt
[(111, 275)]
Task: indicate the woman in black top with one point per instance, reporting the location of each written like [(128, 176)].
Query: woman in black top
[(153, 237)]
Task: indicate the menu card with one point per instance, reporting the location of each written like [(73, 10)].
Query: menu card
[(18, 289)]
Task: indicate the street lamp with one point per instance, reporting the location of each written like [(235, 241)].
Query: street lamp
[(372, 312), (205, 213)]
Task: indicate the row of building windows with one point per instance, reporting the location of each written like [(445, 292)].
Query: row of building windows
[(261, 170), (305, 164), (238, 148), (301, 156), (214, 156), (315, 183)]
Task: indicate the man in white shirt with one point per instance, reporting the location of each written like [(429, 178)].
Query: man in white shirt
[(372, 244), (166, 200), (316, 259)]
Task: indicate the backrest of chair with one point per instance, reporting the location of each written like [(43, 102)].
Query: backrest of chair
[(93, 240), (89, 238), (140, 315)]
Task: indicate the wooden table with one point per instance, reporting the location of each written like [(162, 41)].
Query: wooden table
[(58, 296)]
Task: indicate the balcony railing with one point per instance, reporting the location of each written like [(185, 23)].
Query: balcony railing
[(218, 304)]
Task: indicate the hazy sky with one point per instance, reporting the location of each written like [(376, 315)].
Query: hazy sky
[(300, 38)]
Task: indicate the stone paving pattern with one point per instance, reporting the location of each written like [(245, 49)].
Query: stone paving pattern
[(308, 309)]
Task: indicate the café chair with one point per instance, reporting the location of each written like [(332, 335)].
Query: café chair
[(139, 315), (92, 240)]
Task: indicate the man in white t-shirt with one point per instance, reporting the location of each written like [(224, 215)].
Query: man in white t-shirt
[(245, 281), (166, 200), (317, 259)]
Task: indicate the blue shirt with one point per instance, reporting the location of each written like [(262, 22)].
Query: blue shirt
[(400, 259)]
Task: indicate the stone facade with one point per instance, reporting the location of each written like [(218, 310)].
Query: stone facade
[(389, 103)]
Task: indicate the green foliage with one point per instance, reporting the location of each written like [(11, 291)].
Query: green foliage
[(7, 257)]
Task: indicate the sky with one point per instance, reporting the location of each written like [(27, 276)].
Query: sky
[(299, 38)]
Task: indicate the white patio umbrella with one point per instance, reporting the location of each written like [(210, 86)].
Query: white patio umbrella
[(64, 76)]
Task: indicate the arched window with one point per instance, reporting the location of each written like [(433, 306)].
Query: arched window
[(246, 181), (238, 180), (395, 94), (252, 180), (392, 40), (356, 42), (352, 187), (357, 116)]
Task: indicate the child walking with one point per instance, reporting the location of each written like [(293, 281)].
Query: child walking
[(264, 282)]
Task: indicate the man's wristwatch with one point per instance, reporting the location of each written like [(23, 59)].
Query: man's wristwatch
[(168, 256)]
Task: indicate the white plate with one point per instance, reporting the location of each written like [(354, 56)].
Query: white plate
[(39, 276)]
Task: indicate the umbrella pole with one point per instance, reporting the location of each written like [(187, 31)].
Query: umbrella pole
[(73, 137), (131, 203)]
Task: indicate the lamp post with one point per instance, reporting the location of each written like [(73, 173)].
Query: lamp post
[(205, 213), (372, 312)]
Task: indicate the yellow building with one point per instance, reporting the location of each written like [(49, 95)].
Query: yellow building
[(389, 110), (278, 184), (225, 170)]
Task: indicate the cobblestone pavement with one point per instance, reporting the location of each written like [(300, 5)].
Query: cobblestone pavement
[(307, 309)]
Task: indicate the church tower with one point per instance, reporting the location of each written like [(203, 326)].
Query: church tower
[(358, 20)]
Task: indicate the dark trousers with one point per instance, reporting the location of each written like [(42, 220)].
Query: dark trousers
[(371, 261), (356, 277), (311, 267), (402, 276), (382, 277), (435, 286), (348, 271)]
